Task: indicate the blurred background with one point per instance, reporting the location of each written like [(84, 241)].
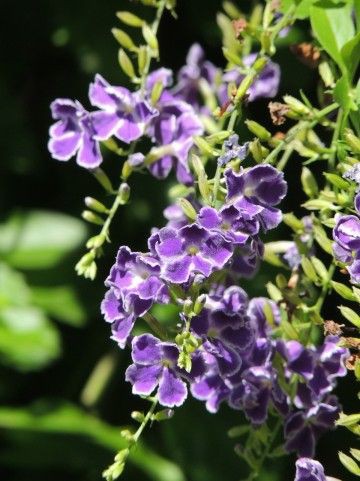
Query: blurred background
[(62, 390)]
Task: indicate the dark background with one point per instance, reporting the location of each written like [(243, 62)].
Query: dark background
[(52, 49)]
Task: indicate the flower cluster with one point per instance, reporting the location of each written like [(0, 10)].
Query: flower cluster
[(346, 235)]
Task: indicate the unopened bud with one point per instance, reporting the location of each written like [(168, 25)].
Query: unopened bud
[(143, 56), (123, 39), (187, 306), (126, 170), (295, 105), (163, 415), (188, 209), (150, 38), (156, 92), (200, 303), (309, 183), (92, 218), (95, 205), (258, 130), (255, 148), (138, 416), (126, 64), (124, 193), (103, 179), (352, 141), (218, 137)]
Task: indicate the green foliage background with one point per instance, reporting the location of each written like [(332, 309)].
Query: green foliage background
[(52, 335)]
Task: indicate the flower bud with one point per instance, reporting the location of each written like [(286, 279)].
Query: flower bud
[(95, 205), (256, 150), (150, 38), (103, 179), (156, 92), (200, 303), (309, 183), (138, 416), (258, 130), (130, 19), (188, 209), (124, 193), (296, 106), (352, 141), (218, 137), (126, 170), (163, 415), (92, 218), (143, 56), (123, 38), (187, 306), (126, 64)]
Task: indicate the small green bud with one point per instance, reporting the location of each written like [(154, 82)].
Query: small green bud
[(122, 455), (187, 208), (124, 193), (143, 57), (281, 281), (309, 183), (352, 141), (126, 170), (150, 38), (267, 43), (92, 218), (258, 130), (203, 146), (163, 415), (326, 74), (231, 10), (103, 179), (200, 303), (255, 148), (231, 56), (127, 434), (126, 64), (138, 416), (130, 19), (95, 205), (96, 242), (123, 38), (295, 105), (293, 222), (218, 137), (156, 92), (187, 306)]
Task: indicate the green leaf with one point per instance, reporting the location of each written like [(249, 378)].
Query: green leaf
[(344, 291), (348, 419), (39, 239), (61, 418), (60, 302), (342, 94), (13, 288), (350, 315), (349, 463), (303, 9), (321, 238), (333, 28), (28, 341), (351, 54)]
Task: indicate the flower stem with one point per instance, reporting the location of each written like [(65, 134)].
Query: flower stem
[(155, 325)]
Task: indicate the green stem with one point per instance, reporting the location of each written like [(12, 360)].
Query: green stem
[(324, 291), (155, 325), (267, 450), (147, 418), (332, 157)]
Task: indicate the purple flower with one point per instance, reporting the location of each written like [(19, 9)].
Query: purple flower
[(189, 76), (265, 86), (73, 133), (161, 75), (347, 232), (225, 329), (256, 191), (155, 365), (232, 150), (189, 250), (299, 359), (134, 285), (228, 222), (309, 470), (173, 130), (123, 114), (302, 428), (259, 322), (245, 260)]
